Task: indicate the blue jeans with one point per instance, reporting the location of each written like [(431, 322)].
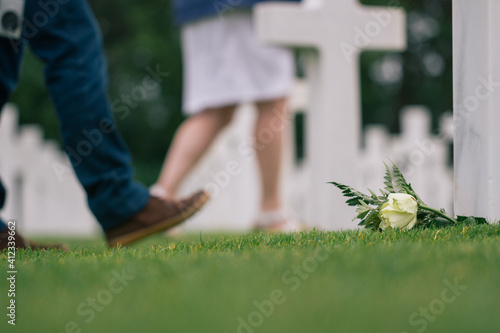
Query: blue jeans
[(65, 36)]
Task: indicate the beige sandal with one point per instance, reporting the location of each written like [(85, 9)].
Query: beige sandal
[(276, 221), (156, 190)]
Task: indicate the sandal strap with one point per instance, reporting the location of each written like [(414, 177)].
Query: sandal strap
[(266, 219), (157, 191)]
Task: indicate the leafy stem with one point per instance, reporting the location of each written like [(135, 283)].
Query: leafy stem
[(437, 212)]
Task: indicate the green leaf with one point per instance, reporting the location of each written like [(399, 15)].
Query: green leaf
[(354, 195), (362, 215), (372, 220), (362, 223), (389, 186), (379, 200), (439, 222), (353, 201), (402, 185), (363, 207), (471, 220)]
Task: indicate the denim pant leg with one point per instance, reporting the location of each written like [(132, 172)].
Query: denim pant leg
[(10, 62), (2, 202), (65, 36)]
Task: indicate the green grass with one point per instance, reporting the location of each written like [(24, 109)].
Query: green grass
[(321, 281)]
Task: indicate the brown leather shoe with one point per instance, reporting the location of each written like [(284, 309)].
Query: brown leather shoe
[(20, 243), (158, 215)]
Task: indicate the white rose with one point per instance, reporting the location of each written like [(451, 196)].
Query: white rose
[(400, 211)]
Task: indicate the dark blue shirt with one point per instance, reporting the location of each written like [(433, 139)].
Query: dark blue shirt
[(186, 11)]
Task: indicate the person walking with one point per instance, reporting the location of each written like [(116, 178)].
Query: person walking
[(225, 65), (69, 42)]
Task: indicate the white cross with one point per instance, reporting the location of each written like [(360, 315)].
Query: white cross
[(476, 72), (339, 30)]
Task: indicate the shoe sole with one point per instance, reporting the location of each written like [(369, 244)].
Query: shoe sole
[(161, 226)]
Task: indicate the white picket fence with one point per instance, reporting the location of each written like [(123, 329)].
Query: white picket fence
[(422, 156), (44, 195), (46, 198)]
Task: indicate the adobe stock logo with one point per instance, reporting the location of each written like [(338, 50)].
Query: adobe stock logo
[(437, 306), (293, 279), (89, 309)]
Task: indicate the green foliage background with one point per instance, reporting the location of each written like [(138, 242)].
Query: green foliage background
[(140, 34)]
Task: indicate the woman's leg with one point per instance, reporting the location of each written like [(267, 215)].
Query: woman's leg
[(192, 139), (271, 123)]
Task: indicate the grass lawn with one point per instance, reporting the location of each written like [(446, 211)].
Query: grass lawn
[(434, 280)]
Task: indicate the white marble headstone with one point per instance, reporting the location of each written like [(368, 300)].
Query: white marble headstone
[(476, 70), (338, 30)]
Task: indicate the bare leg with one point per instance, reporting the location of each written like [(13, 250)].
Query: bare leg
[(271, 123), (192, 139)]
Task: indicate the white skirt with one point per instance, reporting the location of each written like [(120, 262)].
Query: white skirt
[(225, 64)]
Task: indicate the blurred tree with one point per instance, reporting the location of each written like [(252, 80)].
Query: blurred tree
[(420, 75), (140, 36)]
